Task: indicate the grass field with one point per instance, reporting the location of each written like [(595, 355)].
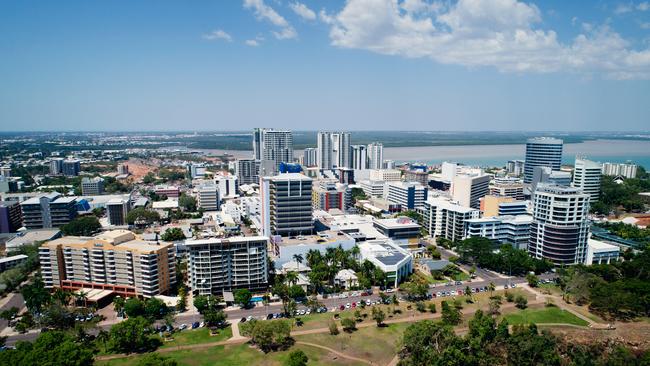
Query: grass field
[(239, 355), (196, 336), (550, 314)]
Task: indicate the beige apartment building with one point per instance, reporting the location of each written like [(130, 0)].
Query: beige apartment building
[(115, 260)]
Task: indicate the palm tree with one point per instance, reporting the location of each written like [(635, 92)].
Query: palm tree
[(355, 251), (491, 288), (118, 304), (82, 296), (103, 337), (291, 277), (299, 259), (313, 257), (62, 296)]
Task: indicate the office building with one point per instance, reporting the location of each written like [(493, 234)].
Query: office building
[(417, 176), (560, 226), (11, 217), (248, 171), (375, 155), (586, 176), (389, 164), (599, 252), (514, 230), (309, 157), (117, 209), (196, 170), (395, 262), (5, 171), (10, 184), (122, 169), (468, 189), (218, 265), (71, 167), (330, 194), (625, 170), (386, 175), (403, 231), (515, 167), (373, 188), (227, 185), (513, 208), (114, 261), (11, 262), (48, 211), (406, 194), (333, 150), (359, 157), (542, 152), (447, 219), (92, 186), (286, 204), (272, 147), (208, 197), (544, 174), (56, 166), (489, 205), (508, 187), (167, 191)]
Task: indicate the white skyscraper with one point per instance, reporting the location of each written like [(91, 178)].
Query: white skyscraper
[(272, 147), (310, 157), (359, 157), (375, 155), (586, 176), (333, 150)]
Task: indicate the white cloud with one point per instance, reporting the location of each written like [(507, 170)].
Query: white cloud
[(252, 42), (218, 35), (644, 6), (265, 12), (502, 33), (303, 11), (623, 8), (645, 25), (574, 20)]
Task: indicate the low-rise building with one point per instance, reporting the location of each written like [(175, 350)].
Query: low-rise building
[(284, 248), (329, 194), (48, 211), (408, 195), (168, 191), (386, 175), (92, 186), (373, 188), (404, 231), (599, 252), (445, 218), (208, 197), (10, 262), (514, 230), (116, 210), (396, 262)]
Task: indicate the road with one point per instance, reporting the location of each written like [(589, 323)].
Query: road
[(262, 311), (12, 300)]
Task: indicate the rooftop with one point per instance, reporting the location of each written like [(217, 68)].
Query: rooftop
[(397, 223)]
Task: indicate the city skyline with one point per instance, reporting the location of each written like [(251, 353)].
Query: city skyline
[(211, 66)]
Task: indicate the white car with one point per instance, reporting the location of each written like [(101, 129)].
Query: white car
[(182, 327)]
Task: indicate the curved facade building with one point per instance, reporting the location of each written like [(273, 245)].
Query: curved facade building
[(560, 226), (542, 151)]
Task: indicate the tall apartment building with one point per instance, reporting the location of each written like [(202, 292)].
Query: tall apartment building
[(92, 186), (196, 170), (542, 151), (117, 209), (560, 226), (333, 150), (627, 170), (115, 261), (514, 230), (408, 195), (586, 176), (272, 147), (446, 219), (468, 189), (387, 175), (122, 169), (286, 205), (218, 265), (359, 157), (11, 217), (310, 157), (330, 194), (227, 185), (248, 171), (48, 211), (208, 197), (515, 167), (56, 166), (71, 167), (375, 155), (507, 187)]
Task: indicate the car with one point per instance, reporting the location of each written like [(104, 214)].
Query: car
[(242, 320), (513, 285), (438, 294), (347, 306), (307, 312), (342, 307), (453, 292), (269, 317), (202, 324), (250, 317), (182, 326), (458, 283), (195, 325)]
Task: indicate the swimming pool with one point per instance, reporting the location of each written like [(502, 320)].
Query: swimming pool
[(257, 299)]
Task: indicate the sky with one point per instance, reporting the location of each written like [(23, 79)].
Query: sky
[(506, 65)]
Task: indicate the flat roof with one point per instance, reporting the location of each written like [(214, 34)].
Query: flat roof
[(601, 246), (12, 258), (322, 237), (398, 223), (236, 239)]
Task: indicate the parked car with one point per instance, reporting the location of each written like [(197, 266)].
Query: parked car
[(182, 326), (242, 320), (195, 325)]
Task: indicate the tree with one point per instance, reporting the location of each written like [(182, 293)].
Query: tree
[(348, 324), (200, 303), (521, 302), (420, 306), (215, 317), (50, 348), (82, 226), (424, 342), (181, 306), (155, 308), (450, 314), (378, 315), (118, 304), (291, 277), (268, 335), (494, 308), (141, 215), (173, 234), (299, 259), (9, 314), (243, 297), (297, 358), (155, 359), (134, 307), (334, 330), (432, 307), (187, 203), (132, 335), (532, 280), (35, 295), (491, 288)]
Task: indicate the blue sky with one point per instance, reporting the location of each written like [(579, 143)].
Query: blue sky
[(356, 64)]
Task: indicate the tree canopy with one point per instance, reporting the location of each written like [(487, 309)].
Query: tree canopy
[(82, 226)]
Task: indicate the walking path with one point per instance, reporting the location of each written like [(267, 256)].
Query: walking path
[(343, 355)]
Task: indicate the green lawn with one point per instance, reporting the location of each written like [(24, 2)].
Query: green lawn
[(195, 336), (545, 315), (238, 355)]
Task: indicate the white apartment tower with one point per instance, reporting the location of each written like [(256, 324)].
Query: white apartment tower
[(333, 150), (359, 157), (272, 147), (375, 155), (586, 176)]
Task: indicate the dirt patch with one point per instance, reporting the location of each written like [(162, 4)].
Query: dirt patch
[(633, 335)]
